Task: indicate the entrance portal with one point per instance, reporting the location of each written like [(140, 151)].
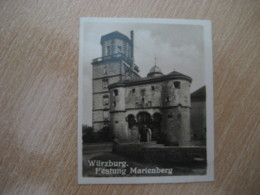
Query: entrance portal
[(144, 121), (145, 128)]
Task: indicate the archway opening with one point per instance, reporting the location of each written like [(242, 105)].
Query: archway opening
[(144, 121), (156, 127)]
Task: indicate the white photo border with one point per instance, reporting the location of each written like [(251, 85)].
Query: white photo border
[(208, 60)]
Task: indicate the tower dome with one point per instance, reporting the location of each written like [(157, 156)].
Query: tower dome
[(155, 71)]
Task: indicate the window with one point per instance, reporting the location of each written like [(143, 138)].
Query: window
[(142, 92), (105, 83), (167, 99), (133, 90), (105, 100), (119, 49), (149, 103), (127, 74), (105, 70), (153, 88), (142, 100), (108, 50), (169, 116), (177, 84), (105, 115), (115, 92), (114, 104)]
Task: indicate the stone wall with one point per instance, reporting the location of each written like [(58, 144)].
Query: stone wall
[(112, 67), (119, 127), (198, 120), (144, 96), (143, 152)]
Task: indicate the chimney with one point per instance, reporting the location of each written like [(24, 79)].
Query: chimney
[(132, 47)]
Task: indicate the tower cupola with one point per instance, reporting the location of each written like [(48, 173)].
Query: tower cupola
[(117, 43), (155, 71)]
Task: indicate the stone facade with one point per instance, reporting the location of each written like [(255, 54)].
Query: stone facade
[(115, 64), (162, 103), (126, 103)]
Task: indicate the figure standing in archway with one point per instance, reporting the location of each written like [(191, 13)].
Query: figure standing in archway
[(148, 133), (143, 135)]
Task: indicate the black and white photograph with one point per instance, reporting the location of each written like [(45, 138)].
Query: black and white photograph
[(145, 110)]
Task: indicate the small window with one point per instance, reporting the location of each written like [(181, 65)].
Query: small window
[(115, 92), (168, 99), (116, 121), (169, 116), (105, 83), (142, 100), (105, 70), (133, 90), (177, 84), (114, 104), (150, 103), (108, 50), (105, 115), (153, 88), (142, 91), (105, 100)]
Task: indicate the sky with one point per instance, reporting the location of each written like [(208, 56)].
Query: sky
[(177, 47)]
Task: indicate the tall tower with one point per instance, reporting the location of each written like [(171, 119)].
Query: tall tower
[(116, 63)]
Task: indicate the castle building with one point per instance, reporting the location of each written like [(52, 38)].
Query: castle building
[(126, 102)]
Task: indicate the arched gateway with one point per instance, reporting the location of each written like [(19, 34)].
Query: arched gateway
[(144, 122)]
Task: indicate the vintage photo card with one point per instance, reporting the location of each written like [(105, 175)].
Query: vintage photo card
[(145, 107)]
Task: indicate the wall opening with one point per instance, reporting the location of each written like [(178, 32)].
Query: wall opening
[(115, 92), (177, 84), (105, 83), (105, 100)]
